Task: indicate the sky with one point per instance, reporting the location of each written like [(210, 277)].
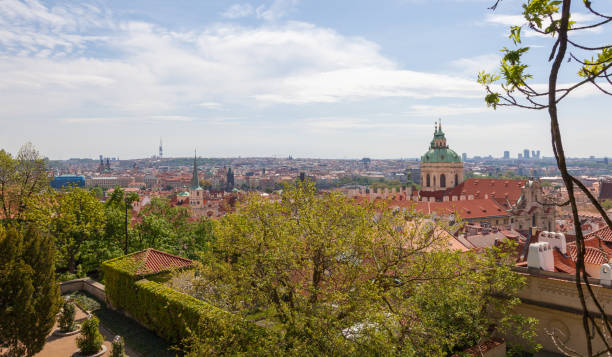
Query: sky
[(307, 78)]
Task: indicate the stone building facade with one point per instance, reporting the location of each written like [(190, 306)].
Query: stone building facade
[(441, 167)]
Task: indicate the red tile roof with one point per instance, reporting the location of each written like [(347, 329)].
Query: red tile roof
[(604, 234), (591, 256), (467, 209), (563, 263), (155, 261), (502, 191)]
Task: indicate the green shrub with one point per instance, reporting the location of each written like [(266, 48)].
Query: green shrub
[(172, 315), (66, 319), (118, 347), (85, 301), (90, 341)]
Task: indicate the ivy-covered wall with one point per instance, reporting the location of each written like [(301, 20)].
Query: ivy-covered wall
[(172, 315)]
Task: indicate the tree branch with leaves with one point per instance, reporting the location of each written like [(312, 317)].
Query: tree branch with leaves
[(510, 86)]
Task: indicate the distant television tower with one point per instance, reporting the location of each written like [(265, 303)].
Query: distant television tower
[(161, 151)]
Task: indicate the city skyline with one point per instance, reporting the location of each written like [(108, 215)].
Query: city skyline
[(270, 78)]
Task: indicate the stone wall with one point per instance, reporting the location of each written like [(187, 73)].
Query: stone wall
[(88, 285), (552, 298), (434, 170)]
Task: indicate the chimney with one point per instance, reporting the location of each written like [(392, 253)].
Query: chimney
[(556, 240), (540, 257), (605, 275)]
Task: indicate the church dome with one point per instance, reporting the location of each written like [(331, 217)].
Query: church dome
[(438, 150), (440, 155)]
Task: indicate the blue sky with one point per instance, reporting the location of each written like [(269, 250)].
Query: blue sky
[(341, 79)]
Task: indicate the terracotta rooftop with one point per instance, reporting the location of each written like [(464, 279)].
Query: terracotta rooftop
[(155, 261), (605, 234), (502, 191), (467, 209), (591, 256)]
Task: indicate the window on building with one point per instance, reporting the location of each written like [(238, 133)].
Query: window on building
[(434, 181), (442, 180), (533, 221), (428, 183), (456, 179)]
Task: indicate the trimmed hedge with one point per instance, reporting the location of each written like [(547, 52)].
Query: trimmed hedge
[(172, 315)]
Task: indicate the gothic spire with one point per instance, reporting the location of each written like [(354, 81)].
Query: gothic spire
[(195, 181)]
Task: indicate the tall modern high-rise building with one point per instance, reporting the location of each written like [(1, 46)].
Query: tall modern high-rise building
[(506, 155), (520, 156), (464, 157), (538, 154), (526, 153), (161, 150)]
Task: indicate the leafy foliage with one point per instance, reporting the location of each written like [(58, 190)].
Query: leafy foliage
[(29, 293), (329, 277), (66, 319), (543, 17), (90, 340), (552, 18), (76, 219), (21, 178), (171, 314)]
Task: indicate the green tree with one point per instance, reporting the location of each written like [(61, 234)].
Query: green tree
[(129, 200), (118, 212), (20, 179), (76, 220), (513, 86), (98, 192), (329, 277), (90, 341), (29, 293), (172, 229)]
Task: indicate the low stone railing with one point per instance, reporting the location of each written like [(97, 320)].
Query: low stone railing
[(88, 285)]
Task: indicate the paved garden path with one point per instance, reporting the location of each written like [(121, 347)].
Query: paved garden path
[(66, 346)]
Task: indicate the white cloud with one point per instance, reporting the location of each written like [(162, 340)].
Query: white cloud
[(237, 11), (444, 110), (30, 28), (471, 66), (155, 73), (277, 10), (518, 20), (210, 105), (89, 120), (343, 123)]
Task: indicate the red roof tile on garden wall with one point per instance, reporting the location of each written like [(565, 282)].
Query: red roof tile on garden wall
[(155, 261)]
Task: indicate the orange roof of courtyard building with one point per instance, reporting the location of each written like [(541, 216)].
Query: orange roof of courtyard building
[(502, 191), (152, 261), (467, 209)]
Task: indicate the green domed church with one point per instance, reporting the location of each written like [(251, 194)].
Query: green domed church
[(441, 167)]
